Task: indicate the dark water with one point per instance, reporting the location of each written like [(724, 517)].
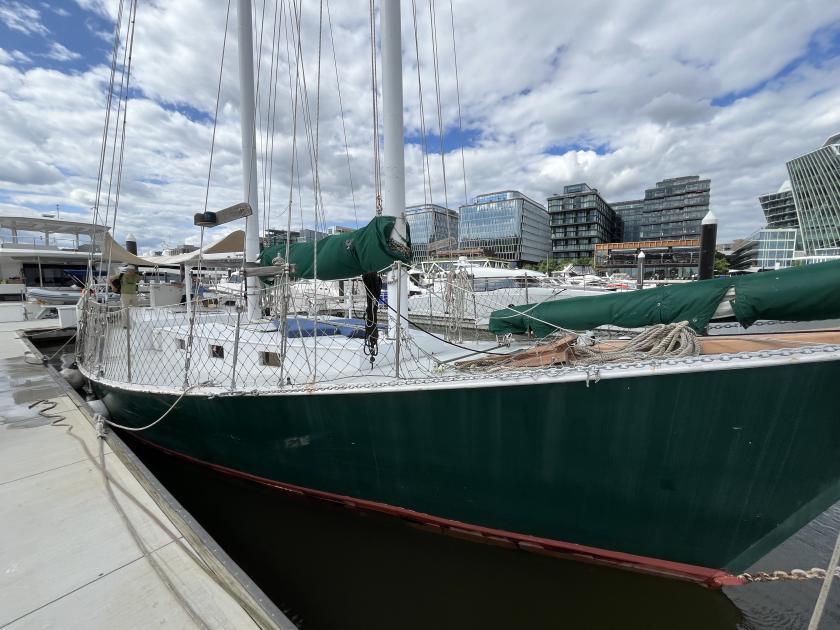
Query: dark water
[(334, 567)]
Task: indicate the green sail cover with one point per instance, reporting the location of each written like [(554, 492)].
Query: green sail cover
[(804, 293), (695, 302), (343, 255)]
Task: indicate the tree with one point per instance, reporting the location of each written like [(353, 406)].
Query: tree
[(546, 266), (721, 264)]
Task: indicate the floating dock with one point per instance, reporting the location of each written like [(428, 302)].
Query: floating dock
[(89, 538)]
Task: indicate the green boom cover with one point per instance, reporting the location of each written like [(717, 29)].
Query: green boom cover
[(343, 255), (805, 293)]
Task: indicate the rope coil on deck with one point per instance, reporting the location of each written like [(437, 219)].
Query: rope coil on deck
[(662, 341)]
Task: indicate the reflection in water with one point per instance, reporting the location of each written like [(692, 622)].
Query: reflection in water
[(341, 568), (790, 604)]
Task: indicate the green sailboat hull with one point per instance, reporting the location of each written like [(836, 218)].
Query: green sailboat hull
[(709, 467)]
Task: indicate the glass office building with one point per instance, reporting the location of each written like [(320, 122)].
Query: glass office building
[(630, 213), (434, 229), (507, 224), (779, 208), (815, 181), (674, 208), (777, 247), (766, 249), (580, 219)]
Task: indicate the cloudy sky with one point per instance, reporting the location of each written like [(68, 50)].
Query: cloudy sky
[(618, 94)]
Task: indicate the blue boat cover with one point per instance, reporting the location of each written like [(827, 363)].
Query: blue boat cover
[(351, 327)]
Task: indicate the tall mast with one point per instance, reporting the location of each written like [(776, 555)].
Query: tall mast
[(393, 163), (249, 153)]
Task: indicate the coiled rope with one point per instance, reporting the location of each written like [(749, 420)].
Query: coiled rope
[(662, 341)]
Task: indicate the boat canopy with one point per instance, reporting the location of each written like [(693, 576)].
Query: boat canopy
[(233, 243), (806, 293), (340, 256)]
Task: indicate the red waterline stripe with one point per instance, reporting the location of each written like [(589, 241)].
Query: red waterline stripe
[(712, 578)]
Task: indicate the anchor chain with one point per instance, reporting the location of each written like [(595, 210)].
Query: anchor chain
[(779, 576)]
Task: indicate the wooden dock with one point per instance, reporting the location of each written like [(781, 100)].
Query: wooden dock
[(88, 539)]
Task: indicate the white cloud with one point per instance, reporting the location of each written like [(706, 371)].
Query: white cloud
[(59, 52), (12, 56), (21, 17), (57, 10), (636, 79)]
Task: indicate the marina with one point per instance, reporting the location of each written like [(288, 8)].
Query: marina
[(359, 562), (494, 409)]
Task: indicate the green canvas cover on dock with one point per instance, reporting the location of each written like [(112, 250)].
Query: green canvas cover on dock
[(806, 293), (340, 256)]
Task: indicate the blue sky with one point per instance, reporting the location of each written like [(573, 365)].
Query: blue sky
[(619, 95), (65, 37)]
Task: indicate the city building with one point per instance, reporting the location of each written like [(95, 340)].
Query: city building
[(510, 225), (664, 260), (434, 230), (180, 249), (766, 249), (727, 248), (630, 213), (305, 235), (674, 208), (779, 208), (580, 219), (745, 254), (777, 247), (815, 182), (339, 229)]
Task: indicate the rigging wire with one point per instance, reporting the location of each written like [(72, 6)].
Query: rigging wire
[(343, 125), (258, 52), (427, 173), (132, 21), (105, 130), (216, 112), (194, 299), (436, 67), (458, 94), (116, 130), (309, 129), (293, 93), (269, 128), (270, 179), (317, 191), (377, 174)]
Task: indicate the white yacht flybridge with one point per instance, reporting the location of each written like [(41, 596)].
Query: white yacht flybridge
[(44, 262), (42, 252)]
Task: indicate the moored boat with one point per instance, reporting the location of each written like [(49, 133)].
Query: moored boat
[(689, 459), (645, 462)]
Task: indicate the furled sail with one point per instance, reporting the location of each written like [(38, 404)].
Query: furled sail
[(346, 255), (805, 293)]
